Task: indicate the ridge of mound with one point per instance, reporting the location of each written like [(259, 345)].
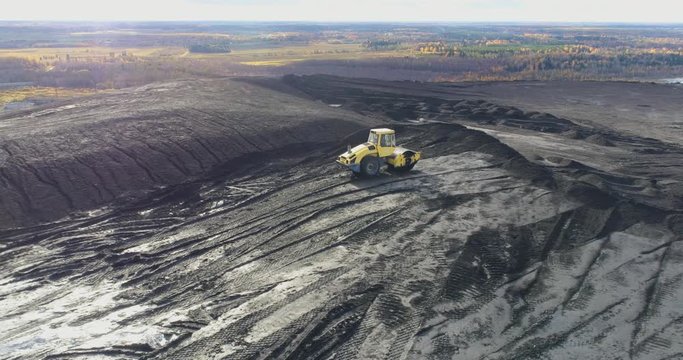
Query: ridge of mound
[(87, 153)]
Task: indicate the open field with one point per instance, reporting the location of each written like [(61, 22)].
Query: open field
[(312, 52), (206, 219), (86, 54), (27, 93), (275, 56)]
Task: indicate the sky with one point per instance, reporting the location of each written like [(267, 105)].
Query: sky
[(650, 11)]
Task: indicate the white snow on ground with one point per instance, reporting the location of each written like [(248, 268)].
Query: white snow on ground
[(73, 319)]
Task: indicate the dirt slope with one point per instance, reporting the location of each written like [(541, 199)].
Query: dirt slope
[(642, 109), (479, 252), (78, 156)]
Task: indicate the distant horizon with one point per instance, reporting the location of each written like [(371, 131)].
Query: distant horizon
[(341, 22), (349, 11)]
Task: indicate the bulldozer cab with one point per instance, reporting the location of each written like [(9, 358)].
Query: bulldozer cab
[(384, 140)]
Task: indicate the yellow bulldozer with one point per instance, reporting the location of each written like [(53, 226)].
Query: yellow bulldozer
[(380, 149)]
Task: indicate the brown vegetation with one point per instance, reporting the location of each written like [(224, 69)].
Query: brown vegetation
[(377, 51)]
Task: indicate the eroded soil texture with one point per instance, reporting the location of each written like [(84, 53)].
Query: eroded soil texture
[(207, 220)]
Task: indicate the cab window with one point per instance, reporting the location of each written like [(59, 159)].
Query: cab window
[(388, 140), (373, 138)]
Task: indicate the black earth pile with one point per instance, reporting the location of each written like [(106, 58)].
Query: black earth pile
[(85, 155), (269, 250)]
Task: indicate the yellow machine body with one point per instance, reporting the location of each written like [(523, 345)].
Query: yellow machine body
[(380, 149)]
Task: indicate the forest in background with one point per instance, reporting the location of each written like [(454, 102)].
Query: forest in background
[(110, 56)]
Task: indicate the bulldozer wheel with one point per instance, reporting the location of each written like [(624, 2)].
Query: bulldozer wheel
[(409, 160), (369, 166)]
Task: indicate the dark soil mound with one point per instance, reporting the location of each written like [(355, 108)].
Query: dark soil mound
[(252, 244), (87, 153)]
